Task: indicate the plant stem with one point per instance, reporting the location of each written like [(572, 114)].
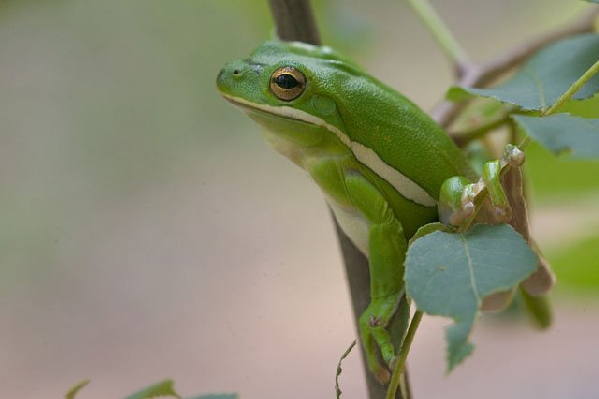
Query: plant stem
[(403, 355), (295, 21), (463, 138), (441, 33), (339, 370)]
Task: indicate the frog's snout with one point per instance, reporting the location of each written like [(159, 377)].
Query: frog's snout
[(219, 77), (231, 73)]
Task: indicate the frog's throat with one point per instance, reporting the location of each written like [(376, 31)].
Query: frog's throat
[(404, 185)]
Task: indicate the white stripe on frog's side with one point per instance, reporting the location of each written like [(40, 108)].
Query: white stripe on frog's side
[(406, 187)]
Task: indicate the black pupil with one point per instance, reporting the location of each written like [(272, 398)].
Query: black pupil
[(286, 81)]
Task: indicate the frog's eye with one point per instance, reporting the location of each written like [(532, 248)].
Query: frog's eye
[(287, 83)]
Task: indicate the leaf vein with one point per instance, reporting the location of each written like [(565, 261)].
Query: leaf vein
[(537, 82), (470, 269)]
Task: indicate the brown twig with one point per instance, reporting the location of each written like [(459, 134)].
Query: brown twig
[(481, 75), (295, 22)]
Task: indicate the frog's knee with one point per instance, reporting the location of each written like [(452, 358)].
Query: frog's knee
[(364, 322)]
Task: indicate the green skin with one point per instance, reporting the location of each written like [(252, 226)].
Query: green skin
[(384, 166)]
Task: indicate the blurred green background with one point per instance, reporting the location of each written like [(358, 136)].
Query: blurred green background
[(147, 230)]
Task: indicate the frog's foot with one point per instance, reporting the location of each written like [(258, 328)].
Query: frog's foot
[(374, 333), (514, 156), (459, 199)]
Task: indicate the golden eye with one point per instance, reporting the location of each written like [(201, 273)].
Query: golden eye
[(287, 83)]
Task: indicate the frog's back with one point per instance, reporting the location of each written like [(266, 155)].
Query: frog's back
[(405, 137)]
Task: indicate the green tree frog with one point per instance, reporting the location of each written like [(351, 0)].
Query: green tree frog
[(384, 166)]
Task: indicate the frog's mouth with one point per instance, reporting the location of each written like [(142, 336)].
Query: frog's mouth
[(248, 106), (408, 188), (281, 111), (287, 112)]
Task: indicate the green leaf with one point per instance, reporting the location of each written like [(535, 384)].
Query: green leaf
[(585, 108), (160, 390), (428, 229), (456, 94), (449, 275), (593, 1), (546, 76), (563, 133), (576, 266), (73, 391), (551, 178), (538, 309)]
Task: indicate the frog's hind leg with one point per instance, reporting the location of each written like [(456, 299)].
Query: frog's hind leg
[(387, 249), (386, 245)]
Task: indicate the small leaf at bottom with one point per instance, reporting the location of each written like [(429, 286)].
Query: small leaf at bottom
[(449, 275)]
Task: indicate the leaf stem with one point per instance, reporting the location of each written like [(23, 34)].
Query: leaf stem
[(564, 98), (403, 355), (567, 96), (441, 33), (464, 137)]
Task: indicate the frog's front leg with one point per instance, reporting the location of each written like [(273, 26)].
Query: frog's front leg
[(387, 247)]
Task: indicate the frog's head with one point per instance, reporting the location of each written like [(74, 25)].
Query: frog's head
[(290, 88)]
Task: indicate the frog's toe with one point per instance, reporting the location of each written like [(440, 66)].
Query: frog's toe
[(383, 376), (514, 156)]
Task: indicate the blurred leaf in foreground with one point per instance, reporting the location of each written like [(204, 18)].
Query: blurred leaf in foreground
[(563, 133), (73, 391), (163, 389), (585, 108), (450, 274), (577, 267), (546, 76), (553, 178)]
